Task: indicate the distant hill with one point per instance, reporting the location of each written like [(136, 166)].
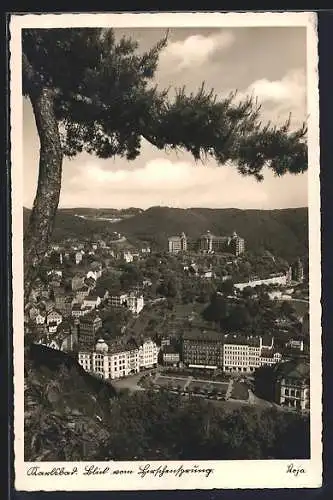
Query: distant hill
[(84, 222), (282, 232)]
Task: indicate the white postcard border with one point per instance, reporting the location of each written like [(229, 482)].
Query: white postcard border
[(226, 474)]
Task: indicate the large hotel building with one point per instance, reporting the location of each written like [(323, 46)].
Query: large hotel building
[(178, 243), (208, 243), (232, 353)]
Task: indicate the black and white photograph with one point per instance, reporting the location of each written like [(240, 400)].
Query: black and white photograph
[(166, 251)]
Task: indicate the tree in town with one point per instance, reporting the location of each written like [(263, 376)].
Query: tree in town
[(217, 310), (93, 93)]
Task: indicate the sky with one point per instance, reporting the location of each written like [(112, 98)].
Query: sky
[(269, 63)]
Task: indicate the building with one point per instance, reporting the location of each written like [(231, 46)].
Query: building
[(54, 317), (94, 273), (78, 311), (247, 353), (177, 244), (128, 257), (54, 273), (297, 271), (67, 307), (209, 243), (118, 300), (237, 244), (275, 279), (92, 301), (296, 343), (68, 336), (40, 319), (82, 293), (60, 301), (135, 302), (78, 257), (148, 354), (203, 349), (110, 362), (292, 384), (171, 357), (88, 328), (117, 360), (48, 341), (77, 282), (52, 327)]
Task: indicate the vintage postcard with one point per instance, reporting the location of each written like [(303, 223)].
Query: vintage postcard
[(166, 251)]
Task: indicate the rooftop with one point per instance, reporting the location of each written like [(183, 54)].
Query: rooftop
[(202, 334)]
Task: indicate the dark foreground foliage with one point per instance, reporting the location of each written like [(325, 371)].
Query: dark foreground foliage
[(66, 419)]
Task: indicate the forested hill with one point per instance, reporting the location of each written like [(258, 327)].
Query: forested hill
[(283, 232)]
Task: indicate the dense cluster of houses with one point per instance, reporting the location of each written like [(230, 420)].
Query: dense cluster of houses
[(63, 313)]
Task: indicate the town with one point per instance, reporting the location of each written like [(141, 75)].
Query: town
[(204, 317)]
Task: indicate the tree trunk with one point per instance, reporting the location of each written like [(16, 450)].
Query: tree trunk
[(37, 235)]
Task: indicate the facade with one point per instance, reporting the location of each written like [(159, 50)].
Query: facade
[(177, 244), (135, 303), (292, 384), (278, 279), (78, 258), (116, 361), (237, 244), (63, 303), (203, 349), (118, 300), (246, 354), (148, 354), (67, 308), (208, 243), (40, 319), (52, 327), (54, 317), (128, 257), (78, 311), (92, 301), (88, 328), (171, 357), (296, 343)]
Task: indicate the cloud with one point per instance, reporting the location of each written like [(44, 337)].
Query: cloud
[(164, 182), (280, 98), (290, 88), (194, 50)]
